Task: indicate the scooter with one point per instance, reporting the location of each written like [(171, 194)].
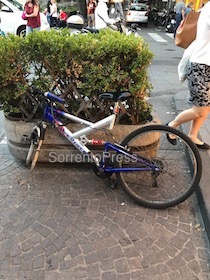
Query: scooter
[(77, 25)]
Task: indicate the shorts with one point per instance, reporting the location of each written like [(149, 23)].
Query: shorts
[(91, 17)]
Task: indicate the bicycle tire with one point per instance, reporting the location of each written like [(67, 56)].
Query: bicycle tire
[(180, 167)]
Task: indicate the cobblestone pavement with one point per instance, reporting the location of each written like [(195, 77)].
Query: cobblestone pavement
[(65, 223)]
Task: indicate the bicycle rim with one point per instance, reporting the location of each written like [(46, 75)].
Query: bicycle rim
[(179, 165)]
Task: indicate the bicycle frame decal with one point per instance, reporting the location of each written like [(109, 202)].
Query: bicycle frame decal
[(65, 132)]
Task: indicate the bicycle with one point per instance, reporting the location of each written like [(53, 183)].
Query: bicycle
[(152, 170)]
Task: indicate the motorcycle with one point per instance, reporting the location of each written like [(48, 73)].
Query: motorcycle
[(160, 18), (133, 29), (76, 24), (171, 22)]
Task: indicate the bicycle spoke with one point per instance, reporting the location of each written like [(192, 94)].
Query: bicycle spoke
[(179, 168)]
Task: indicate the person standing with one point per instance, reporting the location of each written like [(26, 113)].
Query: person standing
[(198, 82), (189, 8), (47, 11), (32, 14), (179, 9), (90, 13), (101, 15), (118, 7), (53, 14), (200, 7), (62, 18)]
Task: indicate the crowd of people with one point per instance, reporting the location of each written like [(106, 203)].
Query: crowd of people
[(97, 14), (55, 17)]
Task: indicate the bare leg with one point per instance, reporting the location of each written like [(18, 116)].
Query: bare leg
[(194, 129), (185, 116), (195, 114)]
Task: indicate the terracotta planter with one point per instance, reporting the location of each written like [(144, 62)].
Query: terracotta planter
[(56, 148)]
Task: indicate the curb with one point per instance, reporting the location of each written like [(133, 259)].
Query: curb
[(203, 190)]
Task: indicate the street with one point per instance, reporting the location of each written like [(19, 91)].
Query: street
[(63, 222)]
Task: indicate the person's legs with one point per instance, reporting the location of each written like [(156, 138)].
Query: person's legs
[(178, 21), (89, 20), (28, 30), (36, 29), (195, 114), (93, 20), (196, 125)]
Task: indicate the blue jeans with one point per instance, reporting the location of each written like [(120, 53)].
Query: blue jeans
[(30, 29), (178, 21)]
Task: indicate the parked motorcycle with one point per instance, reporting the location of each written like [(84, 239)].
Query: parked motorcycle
[(133, 29), (77, 25), (160, 18), (171, 22)]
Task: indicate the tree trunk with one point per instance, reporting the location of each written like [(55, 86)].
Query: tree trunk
[(82, 6)]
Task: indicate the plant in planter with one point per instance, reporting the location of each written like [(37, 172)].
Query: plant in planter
[(108, 61), (78, 68)]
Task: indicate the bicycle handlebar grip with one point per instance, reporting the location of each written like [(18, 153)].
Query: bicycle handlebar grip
[(54, 97)]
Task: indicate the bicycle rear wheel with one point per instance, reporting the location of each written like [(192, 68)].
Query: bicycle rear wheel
[(179, 167)]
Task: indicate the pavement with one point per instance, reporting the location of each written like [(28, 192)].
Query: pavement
[(63, 222), (203, 192)]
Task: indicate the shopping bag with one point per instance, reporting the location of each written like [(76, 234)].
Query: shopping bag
[(186, 32), (24, 16)]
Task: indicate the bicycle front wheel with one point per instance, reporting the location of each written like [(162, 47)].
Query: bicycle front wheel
[(178, 163)]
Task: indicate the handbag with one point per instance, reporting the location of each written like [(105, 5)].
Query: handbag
[(24, 16), (186, 32)]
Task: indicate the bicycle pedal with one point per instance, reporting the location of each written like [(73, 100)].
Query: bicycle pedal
[(113, 183)]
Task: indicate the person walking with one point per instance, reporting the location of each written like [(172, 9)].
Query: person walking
[(31, 10), (179, 9), (198, 82)]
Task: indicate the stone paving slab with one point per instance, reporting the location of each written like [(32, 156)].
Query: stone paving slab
[(66, 223)]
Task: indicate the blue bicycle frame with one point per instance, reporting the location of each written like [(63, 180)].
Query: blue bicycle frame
[(49, 116)]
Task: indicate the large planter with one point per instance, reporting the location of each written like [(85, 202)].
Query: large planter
[(57, 148)]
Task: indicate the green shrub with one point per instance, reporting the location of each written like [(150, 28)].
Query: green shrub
[(107, 61)]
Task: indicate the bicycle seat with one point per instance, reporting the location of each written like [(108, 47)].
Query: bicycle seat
[(54, 97), (116, 96)]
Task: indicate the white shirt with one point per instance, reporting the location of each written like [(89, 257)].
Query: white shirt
[(53, 10), (101, 16), (201, 52)]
